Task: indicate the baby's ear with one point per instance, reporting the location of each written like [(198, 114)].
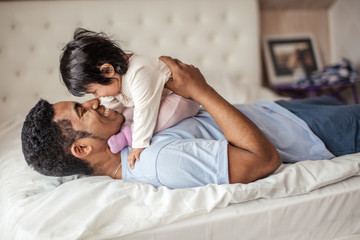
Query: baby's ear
[(107, 70)]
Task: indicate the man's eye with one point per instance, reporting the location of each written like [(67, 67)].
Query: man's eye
[(83, 111)]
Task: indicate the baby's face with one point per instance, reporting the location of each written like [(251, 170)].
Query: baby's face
[(99, 90)]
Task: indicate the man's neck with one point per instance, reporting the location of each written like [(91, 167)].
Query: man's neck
[(111, 167), (114, 168)]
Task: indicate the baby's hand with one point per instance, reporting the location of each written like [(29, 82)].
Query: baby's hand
[(134, 154)]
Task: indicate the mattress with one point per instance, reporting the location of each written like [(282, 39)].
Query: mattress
[(306, 200), (330, 212)]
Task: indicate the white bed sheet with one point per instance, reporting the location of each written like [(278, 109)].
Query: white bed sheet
[(33, 206), (327, 213)]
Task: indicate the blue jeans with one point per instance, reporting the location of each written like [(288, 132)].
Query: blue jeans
[(335, 123)]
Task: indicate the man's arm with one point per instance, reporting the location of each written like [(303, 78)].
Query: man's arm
[(250, 154)]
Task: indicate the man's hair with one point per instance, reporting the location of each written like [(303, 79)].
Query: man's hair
[(46, 143), (83, 56)]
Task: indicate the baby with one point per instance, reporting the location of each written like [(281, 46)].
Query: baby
[(92, 63)]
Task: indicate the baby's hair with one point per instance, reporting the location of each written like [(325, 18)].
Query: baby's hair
[(82, 57)]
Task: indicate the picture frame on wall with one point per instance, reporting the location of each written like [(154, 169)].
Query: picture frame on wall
[(290, 57)]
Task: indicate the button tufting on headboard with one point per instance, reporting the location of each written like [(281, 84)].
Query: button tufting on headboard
[(50, 70), (111, 22), (140, 21), (17, 73), (214, 35), (46, 25), (31, 48), (37, 96), (169, 20)]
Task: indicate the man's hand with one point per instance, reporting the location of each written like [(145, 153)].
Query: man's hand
[(134, 154), (250, 153), (187, 80)]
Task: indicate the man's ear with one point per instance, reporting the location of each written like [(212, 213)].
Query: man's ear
[(81, 149), (107, 70)]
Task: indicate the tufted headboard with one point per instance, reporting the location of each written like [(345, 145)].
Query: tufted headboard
[(221, 37)]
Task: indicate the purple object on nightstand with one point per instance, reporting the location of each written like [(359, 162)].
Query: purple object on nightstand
[(330, 81)]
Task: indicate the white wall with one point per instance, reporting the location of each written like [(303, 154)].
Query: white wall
[(344, 28), (344, 24)]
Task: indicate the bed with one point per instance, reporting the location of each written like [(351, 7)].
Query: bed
[(306, 200)]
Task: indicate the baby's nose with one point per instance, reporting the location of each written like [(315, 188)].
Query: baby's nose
[(93, 103)]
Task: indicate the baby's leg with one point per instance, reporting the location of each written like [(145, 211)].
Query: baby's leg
[(174, 109), (118, 141)]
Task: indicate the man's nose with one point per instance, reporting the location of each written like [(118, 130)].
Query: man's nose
[(93, 103)]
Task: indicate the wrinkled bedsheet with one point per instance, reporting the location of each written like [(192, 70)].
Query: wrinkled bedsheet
[(33, 206)]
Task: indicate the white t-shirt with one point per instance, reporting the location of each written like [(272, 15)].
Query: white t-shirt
[(142, 87)]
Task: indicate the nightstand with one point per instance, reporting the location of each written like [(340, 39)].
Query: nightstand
[(334, 90)]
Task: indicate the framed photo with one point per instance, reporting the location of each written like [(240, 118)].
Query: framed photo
[(290, 57)]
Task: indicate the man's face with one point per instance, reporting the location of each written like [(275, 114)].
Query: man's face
[(90, 117)]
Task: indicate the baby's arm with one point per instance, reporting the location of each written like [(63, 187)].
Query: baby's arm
[(146, 84), (134, 155), (146, 90)]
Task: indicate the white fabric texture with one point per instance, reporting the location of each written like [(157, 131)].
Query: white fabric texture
[(38, 207)]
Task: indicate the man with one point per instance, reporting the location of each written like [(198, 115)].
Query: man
[(219, 146)]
